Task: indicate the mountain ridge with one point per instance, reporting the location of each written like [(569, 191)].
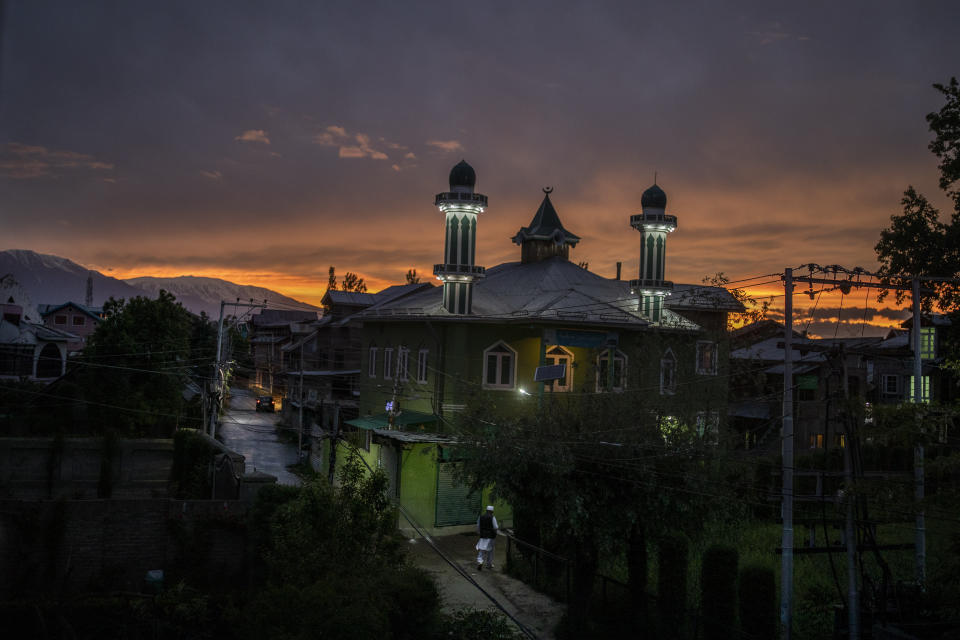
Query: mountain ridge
[(52, 279)]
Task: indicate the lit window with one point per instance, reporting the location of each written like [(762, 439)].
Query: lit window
[(816, 441), (928, 349), (498, 367), (388, 363), (924, 389), (619, 371), (422, 365), (559, 355), (668, 373), (707, 358), (372, 363)]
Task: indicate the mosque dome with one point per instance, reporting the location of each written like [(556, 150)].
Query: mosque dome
[(462, 175), (654, 197)]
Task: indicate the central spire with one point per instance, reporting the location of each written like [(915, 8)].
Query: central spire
[(545, 237)]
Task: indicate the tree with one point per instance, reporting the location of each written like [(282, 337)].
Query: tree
[(754, 310), (334, 564), (138, 362), (331, 279), (917, 241), (593, 476), (412, 277), (351, 282)]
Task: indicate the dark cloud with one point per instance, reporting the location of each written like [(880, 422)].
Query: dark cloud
[(303, 133)]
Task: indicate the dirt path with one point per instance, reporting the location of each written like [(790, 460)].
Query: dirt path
[(539, 613)]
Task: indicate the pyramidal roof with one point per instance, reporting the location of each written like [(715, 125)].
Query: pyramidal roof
[(546, 225)]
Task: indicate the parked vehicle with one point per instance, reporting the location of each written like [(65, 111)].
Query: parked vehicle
[(265, 403)]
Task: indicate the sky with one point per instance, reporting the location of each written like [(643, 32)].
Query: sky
[(262, 142)]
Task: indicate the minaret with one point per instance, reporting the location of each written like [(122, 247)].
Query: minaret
[(654, 225), (460, 205)]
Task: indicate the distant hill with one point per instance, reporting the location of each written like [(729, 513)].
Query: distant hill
[(204, 294), (50, 279)]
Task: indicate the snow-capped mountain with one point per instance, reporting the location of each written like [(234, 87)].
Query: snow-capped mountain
[(50, 279), (204, 294)]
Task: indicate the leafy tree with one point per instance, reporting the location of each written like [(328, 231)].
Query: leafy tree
[(918, 242), (353, 282), (335, 566), (331, 279), (138, 363), (412, 277), (754, 310), (592, 477)]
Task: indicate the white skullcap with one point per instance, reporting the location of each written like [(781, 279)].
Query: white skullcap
[(489, 507)]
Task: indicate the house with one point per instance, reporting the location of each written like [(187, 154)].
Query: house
[(427, 356), (270, 330), (323, 367), (877, 370), (78, 319), (28, 349)]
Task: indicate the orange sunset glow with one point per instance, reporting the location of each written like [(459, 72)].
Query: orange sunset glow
[(299, 139)]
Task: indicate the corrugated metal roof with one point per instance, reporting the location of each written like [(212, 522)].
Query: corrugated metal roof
[(553, 289), (382, 420)]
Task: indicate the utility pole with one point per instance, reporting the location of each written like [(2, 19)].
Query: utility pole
[(920, 535), (850, 531), (786, 569), (332, 462), (218, 365), (300, 435)]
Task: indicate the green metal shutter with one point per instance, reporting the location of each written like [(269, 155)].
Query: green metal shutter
[(455, 503)]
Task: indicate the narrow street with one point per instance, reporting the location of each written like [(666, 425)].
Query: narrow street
[(253, 435), (536, 611)]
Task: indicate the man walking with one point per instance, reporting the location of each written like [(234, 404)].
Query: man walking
[(487, 528)]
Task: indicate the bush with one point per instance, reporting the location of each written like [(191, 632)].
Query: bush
[(718, 584), (758, 605)]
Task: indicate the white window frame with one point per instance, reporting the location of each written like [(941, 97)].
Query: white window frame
[(388, 363), (702, 346), (668, 373), (403, 364), (500, 350), (422, 358), (372, 362), (603, 366), (565, 357)]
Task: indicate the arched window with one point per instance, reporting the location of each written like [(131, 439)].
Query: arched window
[(668, 373), (499, 366), (619, 375), (559, 355)]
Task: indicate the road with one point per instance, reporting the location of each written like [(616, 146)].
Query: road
[(253, 435)]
